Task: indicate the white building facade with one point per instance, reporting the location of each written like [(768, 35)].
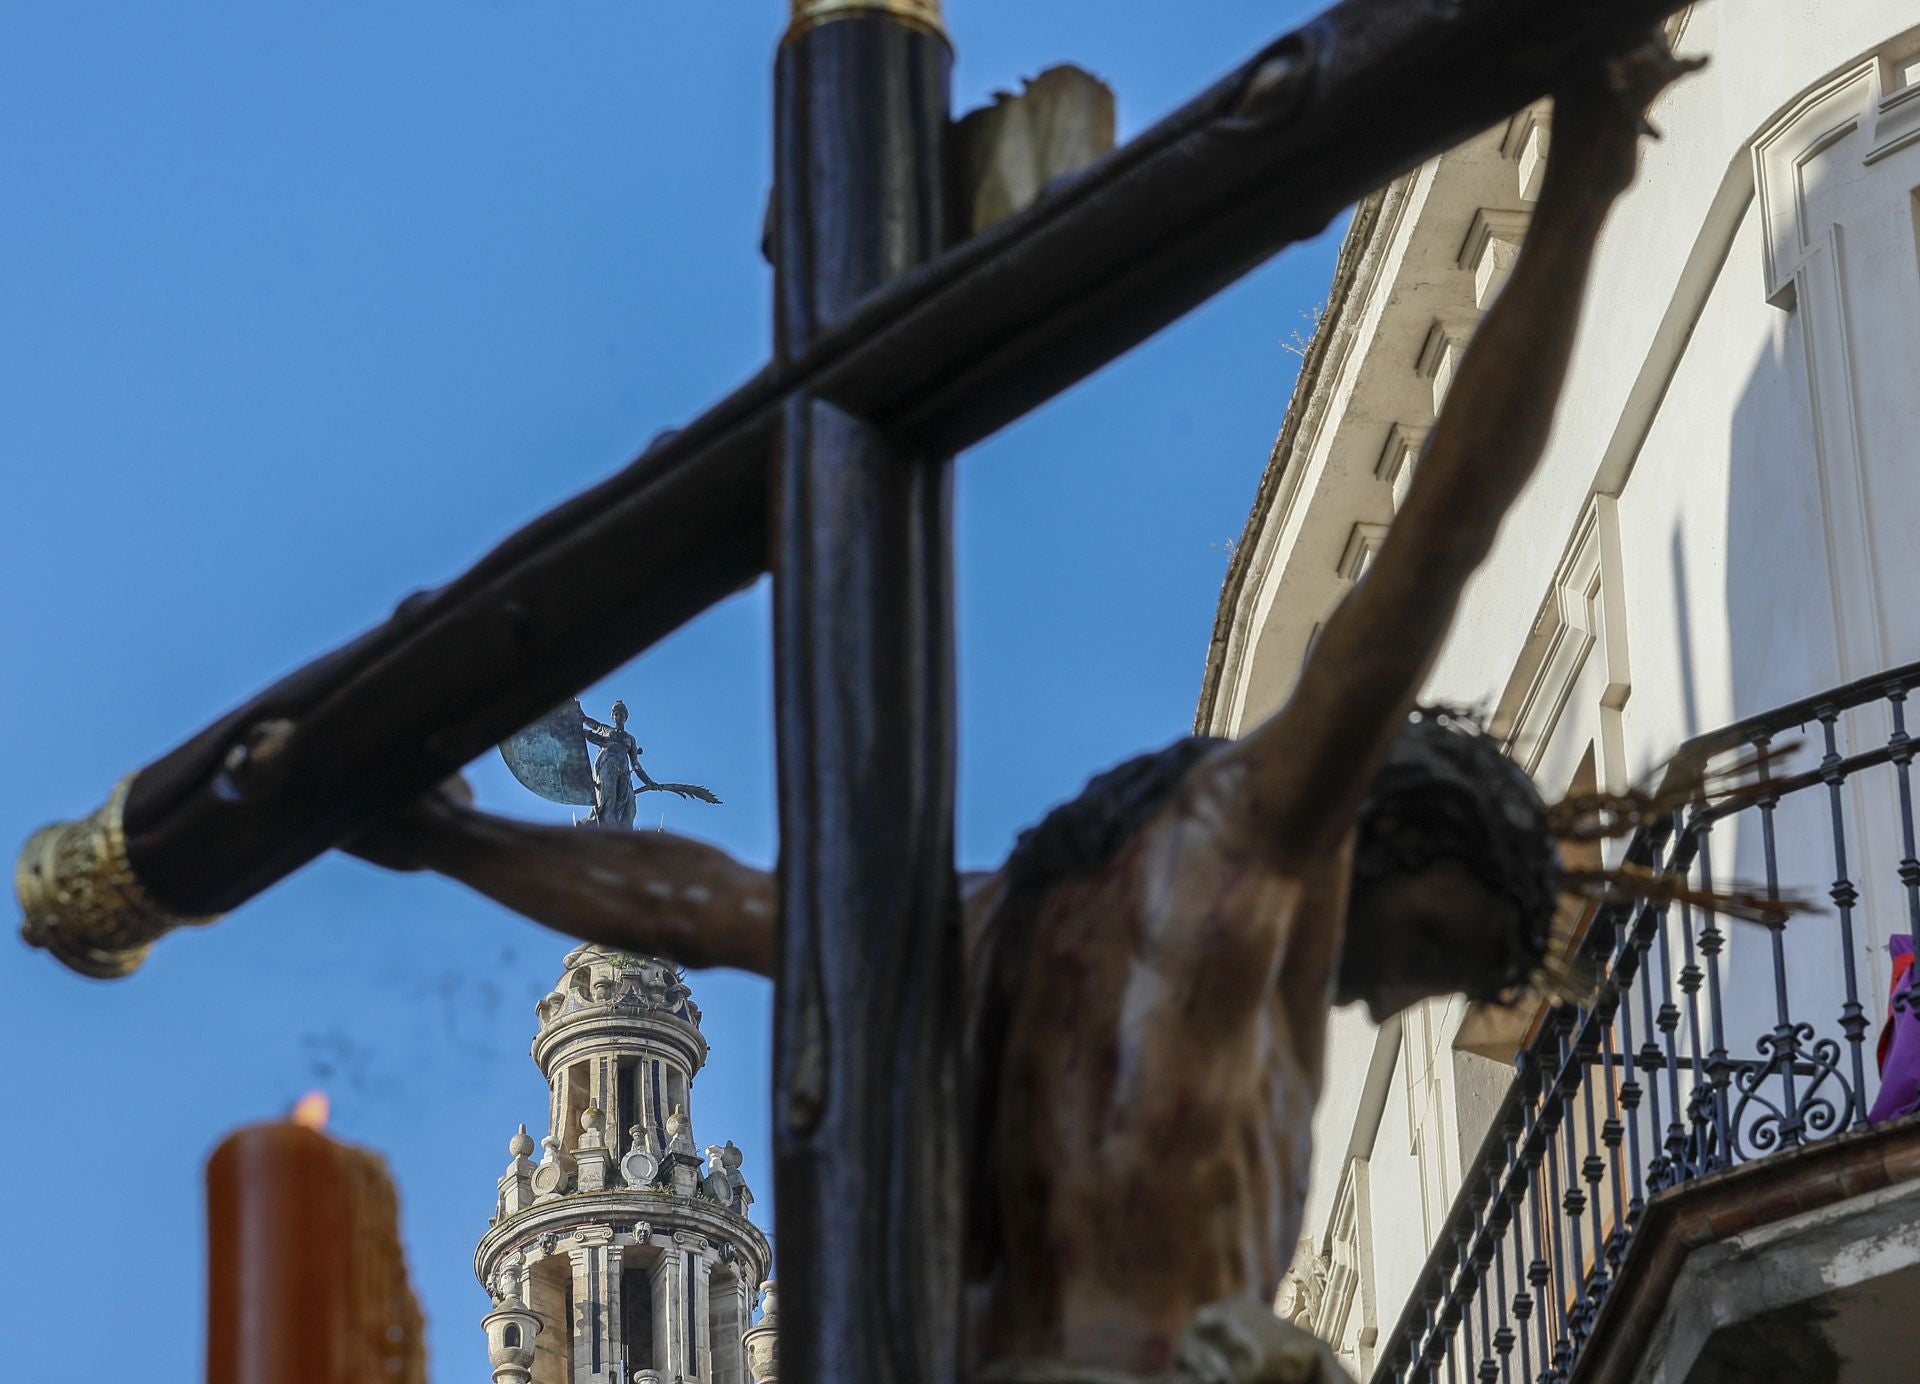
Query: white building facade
[(1725, 522), (623, 1255)]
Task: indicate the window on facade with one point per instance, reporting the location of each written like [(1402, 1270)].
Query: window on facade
[(511, 1337)]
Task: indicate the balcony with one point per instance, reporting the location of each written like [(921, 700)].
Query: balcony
[(1696, 1179)]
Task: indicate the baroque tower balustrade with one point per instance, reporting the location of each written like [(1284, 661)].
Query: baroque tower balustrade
[(620, 1253)]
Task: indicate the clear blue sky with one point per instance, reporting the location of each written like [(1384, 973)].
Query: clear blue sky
[(303, 307)]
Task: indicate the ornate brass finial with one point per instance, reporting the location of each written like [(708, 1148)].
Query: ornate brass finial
[(922, 14), (80, 898)]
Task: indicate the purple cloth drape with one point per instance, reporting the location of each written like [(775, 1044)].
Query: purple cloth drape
[(1900, 1039)]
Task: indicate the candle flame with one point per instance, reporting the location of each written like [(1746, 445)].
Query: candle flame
[(310, 1111)]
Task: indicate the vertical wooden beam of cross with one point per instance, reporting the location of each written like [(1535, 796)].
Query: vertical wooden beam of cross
[(867, 1009)]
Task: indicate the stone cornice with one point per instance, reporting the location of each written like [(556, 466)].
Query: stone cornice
[(612, 1020), (1367, 275), (588, 1210), (1360, 238)]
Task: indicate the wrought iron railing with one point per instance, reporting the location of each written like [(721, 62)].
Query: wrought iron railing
[(1711, 1044)]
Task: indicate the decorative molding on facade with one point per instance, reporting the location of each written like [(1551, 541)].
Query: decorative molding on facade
[(1788, 155), (1349, 1316), (1363, 541), (1397, 458), (1794, 160), (1585, 610), (1490, 249), (1440, 355), (1528, 141), (1303, 1288)]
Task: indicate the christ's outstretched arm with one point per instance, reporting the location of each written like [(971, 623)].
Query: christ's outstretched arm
[(1308, 767), (648, 892)]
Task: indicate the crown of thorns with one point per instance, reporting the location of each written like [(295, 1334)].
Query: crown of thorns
[(1449, 792)]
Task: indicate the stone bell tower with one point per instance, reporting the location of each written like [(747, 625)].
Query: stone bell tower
[(621, 1256)]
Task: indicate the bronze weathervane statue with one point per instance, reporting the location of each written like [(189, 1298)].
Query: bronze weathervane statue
[(1150, 972), (550, 757)]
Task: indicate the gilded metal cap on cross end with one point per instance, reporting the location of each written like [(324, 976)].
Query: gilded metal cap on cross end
[(922, 14), (81, 900)]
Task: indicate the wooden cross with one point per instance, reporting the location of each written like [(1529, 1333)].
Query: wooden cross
[(898, 344)]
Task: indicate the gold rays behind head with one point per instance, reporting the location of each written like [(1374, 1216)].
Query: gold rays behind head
[(1565, 976)]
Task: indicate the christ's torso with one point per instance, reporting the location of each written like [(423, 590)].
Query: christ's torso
[(1152, 1110)]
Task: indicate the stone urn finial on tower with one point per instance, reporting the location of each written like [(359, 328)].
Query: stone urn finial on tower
[(680, 1132), (510, 1329), (683, 1164), (592, 1159), (515, 1189), (763, 1341)]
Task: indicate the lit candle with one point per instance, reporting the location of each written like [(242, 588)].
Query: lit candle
[(307, 1283)]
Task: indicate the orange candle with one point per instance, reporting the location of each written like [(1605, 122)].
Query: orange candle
[(307, 1283)]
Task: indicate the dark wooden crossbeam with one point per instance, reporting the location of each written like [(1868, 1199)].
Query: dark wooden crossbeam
[(936, 359)]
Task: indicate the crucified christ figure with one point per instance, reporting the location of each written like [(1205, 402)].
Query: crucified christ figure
[(1150, 972)]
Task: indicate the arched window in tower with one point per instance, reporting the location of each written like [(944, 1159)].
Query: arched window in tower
[(626, 1096), (581, 983), (510, 1336), (636, 1312), (578, 1092)]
